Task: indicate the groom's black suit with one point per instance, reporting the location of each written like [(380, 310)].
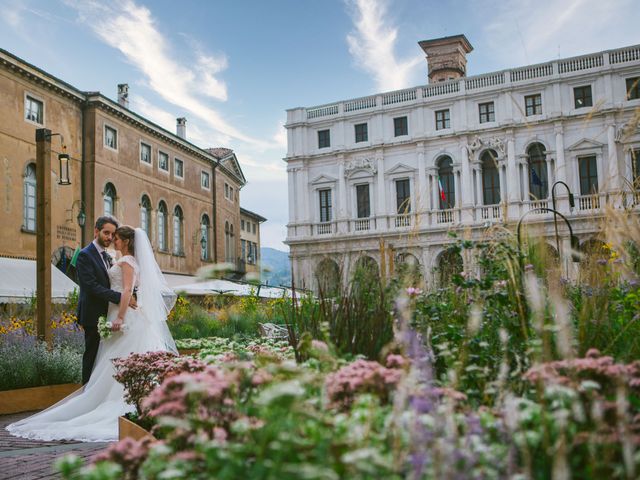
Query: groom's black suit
[(94, 298)]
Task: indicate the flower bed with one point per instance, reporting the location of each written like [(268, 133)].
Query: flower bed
[(26, 362)]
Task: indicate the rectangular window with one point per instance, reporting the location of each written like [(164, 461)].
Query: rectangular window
[(582, 96), (204, 180), (243, 246), (226, 190), (242, 225), (362, 200), (400, 126), (324, 139), (487, 112), (110, 137), (325, 205), (362, 134), (588, 175), (253, 228), (178, 168), (231, 193), (633, 88), (443, 119), (533, 104), (635, 165), (145, 153), (403, 196), (163, 161), (33, 110)]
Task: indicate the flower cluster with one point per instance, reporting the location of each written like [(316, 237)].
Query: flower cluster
[(358, 377), (140, 373), (592, 367), (128, 453), (27, 325), (204, 399)]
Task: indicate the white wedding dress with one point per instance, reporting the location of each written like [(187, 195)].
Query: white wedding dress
[(91, 413)]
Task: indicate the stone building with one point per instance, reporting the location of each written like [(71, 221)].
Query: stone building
[(384, 179), (250, 240), (187, 198)]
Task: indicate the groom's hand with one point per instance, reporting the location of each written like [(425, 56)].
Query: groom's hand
[(133, 303)]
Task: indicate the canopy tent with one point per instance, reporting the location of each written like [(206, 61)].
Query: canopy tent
[(227, 287), (18, 282)]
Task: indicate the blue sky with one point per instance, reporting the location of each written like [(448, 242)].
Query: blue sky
[(233, 67)]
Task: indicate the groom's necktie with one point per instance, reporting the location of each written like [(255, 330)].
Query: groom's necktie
[(107, 259)]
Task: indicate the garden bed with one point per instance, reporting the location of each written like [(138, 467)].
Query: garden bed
[(129, 429), (34, 398)]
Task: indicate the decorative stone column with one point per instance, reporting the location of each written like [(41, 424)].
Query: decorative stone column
[(381, 211)]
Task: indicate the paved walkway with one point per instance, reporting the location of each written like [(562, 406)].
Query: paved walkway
[(31, 459)]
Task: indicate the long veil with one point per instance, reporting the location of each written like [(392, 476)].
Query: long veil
[(155, 298)]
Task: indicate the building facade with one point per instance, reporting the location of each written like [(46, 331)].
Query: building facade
[(121, 164), (250, 240), (384, 179)]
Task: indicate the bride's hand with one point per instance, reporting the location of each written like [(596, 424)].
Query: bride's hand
[(117, 324)]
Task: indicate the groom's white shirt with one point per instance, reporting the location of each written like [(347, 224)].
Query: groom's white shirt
[(100, 250)]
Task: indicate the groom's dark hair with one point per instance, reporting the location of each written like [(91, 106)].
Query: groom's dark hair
[(106, 219)]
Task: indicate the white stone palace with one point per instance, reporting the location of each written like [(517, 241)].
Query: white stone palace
[(385, 178)]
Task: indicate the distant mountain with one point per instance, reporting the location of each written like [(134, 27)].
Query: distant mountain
[(276, 268)]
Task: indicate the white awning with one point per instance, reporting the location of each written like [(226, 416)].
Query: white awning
[(18, 282), (227, 287)]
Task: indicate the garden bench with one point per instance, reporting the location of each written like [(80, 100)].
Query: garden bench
[(271, 330)]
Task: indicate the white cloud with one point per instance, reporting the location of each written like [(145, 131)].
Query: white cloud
[(532, 31), (372, 45), (132, 30)]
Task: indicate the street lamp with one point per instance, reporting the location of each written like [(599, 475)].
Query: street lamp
[(43, 216), (575, 242), (553, 204)]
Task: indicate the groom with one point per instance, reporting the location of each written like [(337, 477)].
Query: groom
[(95, 289)]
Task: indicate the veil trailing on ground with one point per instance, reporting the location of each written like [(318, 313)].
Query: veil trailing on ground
[(155, 298)]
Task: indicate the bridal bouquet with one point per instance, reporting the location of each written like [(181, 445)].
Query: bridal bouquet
[(105, 328)]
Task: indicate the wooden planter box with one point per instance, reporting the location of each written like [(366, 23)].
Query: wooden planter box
[(188, 351), (128, 429), (34, 398)]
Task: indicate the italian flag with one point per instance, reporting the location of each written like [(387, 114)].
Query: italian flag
[(440, 187)]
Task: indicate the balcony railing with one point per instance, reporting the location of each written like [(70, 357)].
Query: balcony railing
[(491, 212), (402, 221), (362, 224), (324, 228), (588, 202), (534, 204), (445, 216), (564, 67)]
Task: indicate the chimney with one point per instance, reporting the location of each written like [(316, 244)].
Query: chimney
[(123, 95), (181, 127), (447, 57)]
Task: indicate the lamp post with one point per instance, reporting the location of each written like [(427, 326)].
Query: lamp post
[(575, 243), (553, 204), (43, 226)]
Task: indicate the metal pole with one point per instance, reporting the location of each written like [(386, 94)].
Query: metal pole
[(555, 217), (43, 230)]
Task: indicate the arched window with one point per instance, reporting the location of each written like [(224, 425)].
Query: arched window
[(446, 184), (145, 215), (109, 199), (29, 201), (449, 264), (177, 231), (204, 237), (538, 180), (490, 178), (162, 226)]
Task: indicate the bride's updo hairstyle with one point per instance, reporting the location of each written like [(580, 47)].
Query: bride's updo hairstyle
[(125, 232)]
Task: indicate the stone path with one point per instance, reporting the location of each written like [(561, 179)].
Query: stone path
[(31, 459)]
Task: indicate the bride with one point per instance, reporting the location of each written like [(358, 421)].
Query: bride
[(91, 413)]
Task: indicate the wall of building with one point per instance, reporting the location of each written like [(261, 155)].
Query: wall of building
[(250, 234), (62, 114), (228, 212), (567, 133)]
